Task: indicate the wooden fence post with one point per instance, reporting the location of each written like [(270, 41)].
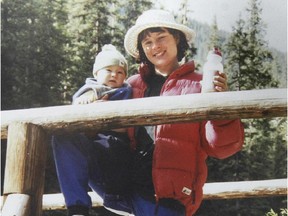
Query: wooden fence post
[(16, 205), (25, 164)]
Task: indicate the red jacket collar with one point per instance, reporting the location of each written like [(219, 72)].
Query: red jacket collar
[(183, 69), (188, 67)]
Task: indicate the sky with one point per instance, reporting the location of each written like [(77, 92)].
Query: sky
[(227, 12)]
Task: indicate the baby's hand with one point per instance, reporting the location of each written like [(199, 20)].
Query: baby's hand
[(86, 98)]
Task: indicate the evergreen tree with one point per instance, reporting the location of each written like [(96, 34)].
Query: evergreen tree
[(183, 18), (249, 61), (202, 38), (279, 147), (32, 54), (131, 10), (214, 40), (128, 12), (237, 51), (88, 29), (249, 66), (279, 70)]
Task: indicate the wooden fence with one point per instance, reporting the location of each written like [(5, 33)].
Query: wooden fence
[(27, 131)]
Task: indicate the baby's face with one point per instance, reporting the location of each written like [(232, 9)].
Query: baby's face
[(112, 76)]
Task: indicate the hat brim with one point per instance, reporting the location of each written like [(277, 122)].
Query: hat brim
[(131, 37)]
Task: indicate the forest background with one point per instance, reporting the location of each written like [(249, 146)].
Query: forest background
[(48, 49)]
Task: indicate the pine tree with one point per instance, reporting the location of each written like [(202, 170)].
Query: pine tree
[(214, 40), (249, 60), (249, 67), (128, 11), (183, 19), (236, 56), (279, 70), (88, 30), (32, 53)]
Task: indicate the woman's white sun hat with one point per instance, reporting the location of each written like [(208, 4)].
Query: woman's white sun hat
[(149, 19)]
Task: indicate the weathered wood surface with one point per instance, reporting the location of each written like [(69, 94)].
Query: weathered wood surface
[(25, 163), (245, 189), (152, 111), (222, 190), (57, 202)]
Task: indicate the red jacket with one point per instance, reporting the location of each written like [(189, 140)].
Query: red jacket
[(179, 168)]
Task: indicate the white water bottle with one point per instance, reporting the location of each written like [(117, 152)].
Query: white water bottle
[(211, 68)]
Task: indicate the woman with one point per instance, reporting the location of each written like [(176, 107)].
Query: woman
[(179, 170), (169, 167)]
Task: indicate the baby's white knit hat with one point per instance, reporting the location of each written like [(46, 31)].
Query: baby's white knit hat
[(109, 56)]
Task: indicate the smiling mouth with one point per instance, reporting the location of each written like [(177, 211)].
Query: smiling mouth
[(159, 54)]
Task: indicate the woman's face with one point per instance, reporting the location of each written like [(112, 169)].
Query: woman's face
[(161, 50)]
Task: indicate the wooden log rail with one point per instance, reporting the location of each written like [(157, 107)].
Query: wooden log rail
[(152, 111), (26, 130), (216, 190)]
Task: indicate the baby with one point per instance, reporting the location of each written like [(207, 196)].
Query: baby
[(110, 71)]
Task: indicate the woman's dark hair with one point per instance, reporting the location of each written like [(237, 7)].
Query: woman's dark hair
[(181, 47)]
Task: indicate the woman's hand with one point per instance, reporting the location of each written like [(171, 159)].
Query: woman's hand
[(220, 82)]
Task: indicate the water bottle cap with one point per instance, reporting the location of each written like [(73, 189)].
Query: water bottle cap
[(217, 51), (214, 54)]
